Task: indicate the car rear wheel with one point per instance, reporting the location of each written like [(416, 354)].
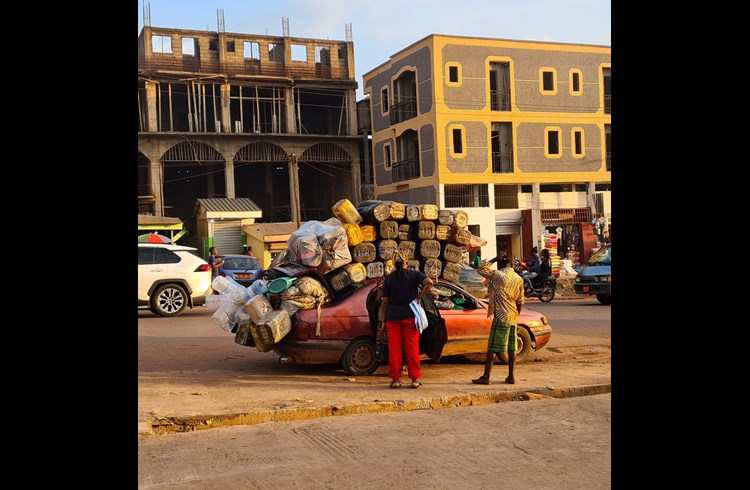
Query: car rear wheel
[(523, 349), (169, 300), (605, 299), (359, 357)]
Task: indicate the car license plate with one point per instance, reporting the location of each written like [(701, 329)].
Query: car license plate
[(242, 276), (585, 289)]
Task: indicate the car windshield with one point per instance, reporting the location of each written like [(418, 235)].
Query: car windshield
[(241, 263), (602, 257)]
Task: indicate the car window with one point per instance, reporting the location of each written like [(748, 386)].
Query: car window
[(164, 256), (603, 256), (145, 255), (241, 263)]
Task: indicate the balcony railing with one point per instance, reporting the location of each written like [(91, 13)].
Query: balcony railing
[(500, 100), (502, 162), (405, 169), (401, 111)]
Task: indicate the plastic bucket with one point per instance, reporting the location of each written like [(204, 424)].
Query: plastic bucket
[(280, 284)]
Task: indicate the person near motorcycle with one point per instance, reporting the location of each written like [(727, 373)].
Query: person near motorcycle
[(545, 266), (533, 269)]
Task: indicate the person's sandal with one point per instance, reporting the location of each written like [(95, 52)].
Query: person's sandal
[(416, 383), (395, 384)]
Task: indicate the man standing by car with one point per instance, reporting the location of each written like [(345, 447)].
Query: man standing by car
[(400, 288), (505, 303), (214, 261)]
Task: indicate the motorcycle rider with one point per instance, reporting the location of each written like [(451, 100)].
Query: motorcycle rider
[(533, 270)]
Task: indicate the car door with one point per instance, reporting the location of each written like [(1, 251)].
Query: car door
[(434, 337), (467, 325)]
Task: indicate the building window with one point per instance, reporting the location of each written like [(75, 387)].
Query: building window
[(322, 56), (387, 156), (576, 85), (576, 143), (188, 46), (552, 147), (161, 44), (603, 187), (276, 52), (506, 196), (251, 51), (213, 44), (230, 46), (457, 141), (467, 196), (299, 52), (385, 103), (548, 81), (454, 74)]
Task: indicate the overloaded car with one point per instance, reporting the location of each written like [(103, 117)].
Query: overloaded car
[(171, 278), (242, 268), (595, 276), (348, 326)]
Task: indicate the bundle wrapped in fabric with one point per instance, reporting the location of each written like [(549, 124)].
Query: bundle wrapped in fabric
[(413, 213), (452, 253), (408, 247), (324, 244), (272, 327), (451, 271), (428, 212), (404, 231), (357, 272), (375, 269), (386, 249), (432, 268), (345, 211), (443, 232), (461, 236), (426, 230), (429, 249), (445, 217), (353, 233), (369, 233), (374, 212), (364, 253), (460, 219), (389, 229)]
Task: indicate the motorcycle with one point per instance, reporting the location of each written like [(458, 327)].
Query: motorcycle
[(544, 289)]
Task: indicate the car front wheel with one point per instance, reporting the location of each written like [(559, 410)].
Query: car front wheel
[(169, 300), (605, 299), (523, 348), (359, 357)]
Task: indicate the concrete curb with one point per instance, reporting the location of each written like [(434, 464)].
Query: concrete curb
[(163, 425)]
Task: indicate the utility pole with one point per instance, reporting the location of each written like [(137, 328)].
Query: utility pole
[(294, 188)]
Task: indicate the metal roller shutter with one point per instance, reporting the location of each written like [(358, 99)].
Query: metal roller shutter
[(228, 237), (506, 229)]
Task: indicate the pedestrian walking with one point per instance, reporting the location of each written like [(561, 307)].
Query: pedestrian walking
[(214, 261), (400, 288), (505, 303)]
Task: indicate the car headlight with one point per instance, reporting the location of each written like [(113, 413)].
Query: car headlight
[(578, 279), (604, 278)]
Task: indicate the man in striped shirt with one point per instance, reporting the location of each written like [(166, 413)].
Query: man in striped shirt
[(505, 294)]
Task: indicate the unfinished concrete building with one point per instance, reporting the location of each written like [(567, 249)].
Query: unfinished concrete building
[(225, 115)]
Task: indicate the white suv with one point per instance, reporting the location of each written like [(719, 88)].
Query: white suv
[(171, 278)]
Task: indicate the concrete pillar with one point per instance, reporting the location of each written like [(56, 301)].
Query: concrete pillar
[(157, 185), (152, 123), (229, 177), (291, 111), (590, 191), (226, 115), (536, 215)]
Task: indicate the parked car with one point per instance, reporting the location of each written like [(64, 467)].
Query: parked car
[(348, 325), (171, 278), (242, 268), (595, 277)]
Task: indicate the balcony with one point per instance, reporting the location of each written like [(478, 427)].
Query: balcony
[(401, 111), (500, 100), (246, 67), (502, 163), (405, 170)]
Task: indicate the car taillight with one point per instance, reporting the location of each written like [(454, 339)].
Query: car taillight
[(203, 268)]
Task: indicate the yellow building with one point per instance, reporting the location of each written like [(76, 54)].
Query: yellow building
[(515, 133)]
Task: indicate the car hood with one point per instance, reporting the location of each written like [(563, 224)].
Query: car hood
[(595, 270)]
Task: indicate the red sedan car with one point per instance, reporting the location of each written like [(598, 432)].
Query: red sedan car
[(348, 326)]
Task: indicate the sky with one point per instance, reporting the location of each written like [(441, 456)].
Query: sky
[(380, 28)]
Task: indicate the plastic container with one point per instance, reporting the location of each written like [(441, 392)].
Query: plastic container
[(461, 236), (426, 230), (445, 217), (386, 249), (430, 249), (280, 284), (432, 268), (404, 231), (460, 219), (452, 253), (369, 233), (260, 286), (428, 211), (451, 271), (223, 285), (353, 234), (357, 272), (389, 229), (338, 279), (375, 270), (257, 306), (408, 247), (443, 232), (215, 301)]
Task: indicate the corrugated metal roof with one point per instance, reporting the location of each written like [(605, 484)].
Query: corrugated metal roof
[(261, 230), (146, 219), (228, 204)]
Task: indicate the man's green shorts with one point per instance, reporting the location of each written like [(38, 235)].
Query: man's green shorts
[(501, 335)]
